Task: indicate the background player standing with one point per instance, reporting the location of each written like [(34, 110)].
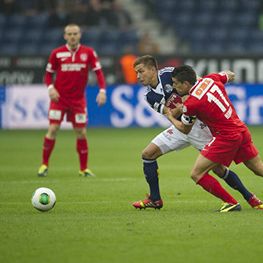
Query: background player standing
[(70, 63)]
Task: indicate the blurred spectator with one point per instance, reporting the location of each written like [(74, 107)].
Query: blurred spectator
[(116, 16), (147, 46), (79, 13), (58, 14), (8, 7), (94, 16), (31, 8), (126, 63), (260, 18)]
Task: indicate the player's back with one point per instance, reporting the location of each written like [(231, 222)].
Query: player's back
[(209, 103)]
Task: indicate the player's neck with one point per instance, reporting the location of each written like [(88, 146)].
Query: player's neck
[(154, 83), (73, 47)]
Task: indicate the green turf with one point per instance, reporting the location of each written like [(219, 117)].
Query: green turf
[(93, 220)]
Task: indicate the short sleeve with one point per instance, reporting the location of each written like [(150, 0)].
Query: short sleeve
[(189, 107)]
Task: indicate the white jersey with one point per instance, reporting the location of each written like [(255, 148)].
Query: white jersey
[(172, 139)]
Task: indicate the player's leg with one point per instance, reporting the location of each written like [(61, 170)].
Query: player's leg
[(168, 140), (201, 176), (150, 170), (199, 137), (48, 146), (83, 151), (255, 165), (234, 181)]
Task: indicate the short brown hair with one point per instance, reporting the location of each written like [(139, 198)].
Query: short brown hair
[(146, 60), (184, 73)]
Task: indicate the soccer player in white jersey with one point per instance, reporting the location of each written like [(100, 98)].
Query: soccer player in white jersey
[(158, 95)]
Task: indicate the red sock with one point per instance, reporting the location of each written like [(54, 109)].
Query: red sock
[(211, 185), (48, 146), (82, 149)]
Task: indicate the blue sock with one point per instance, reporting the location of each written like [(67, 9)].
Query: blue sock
[(150, 168), (233, 180)]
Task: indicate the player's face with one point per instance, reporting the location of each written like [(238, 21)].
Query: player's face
[(145, 75), (182, 88), (72, 35)]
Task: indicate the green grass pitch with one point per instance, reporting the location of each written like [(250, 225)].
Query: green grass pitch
[(93, 220)]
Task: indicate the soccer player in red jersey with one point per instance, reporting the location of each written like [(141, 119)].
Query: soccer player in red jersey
[(70, 64), (209, 102)]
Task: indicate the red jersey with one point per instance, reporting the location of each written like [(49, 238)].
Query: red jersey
[(208, 101), (71, 69)]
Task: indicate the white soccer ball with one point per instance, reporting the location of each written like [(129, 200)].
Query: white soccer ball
[(43, 199)]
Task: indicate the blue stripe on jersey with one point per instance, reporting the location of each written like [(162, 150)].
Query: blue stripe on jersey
[(158, 96)]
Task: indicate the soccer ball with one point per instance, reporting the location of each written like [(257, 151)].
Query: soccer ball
[(43, 199)]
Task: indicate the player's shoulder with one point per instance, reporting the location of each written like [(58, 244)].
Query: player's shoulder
[(62, 48), (166, 70), (165, 76), (86, 48)]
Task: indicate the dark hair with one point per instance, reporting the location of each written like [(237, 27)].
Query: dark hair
[(146, 60), (184, 73)]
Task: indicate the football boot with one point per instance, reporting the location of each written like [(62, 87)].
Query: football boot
[(229, 208), (42, 171), (255, 202), (148, 203)]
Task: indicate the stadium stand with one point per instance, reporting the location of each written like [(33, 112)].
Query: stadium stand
[(210, 26)]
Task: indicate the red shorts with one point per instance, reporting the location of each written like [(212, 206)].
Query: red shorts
[(237, 148), (76, 112)]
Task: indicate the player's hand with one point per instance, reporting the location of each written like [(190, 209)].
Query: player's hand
[(169, 114), (53, 93), (230, 75), (101, 98)]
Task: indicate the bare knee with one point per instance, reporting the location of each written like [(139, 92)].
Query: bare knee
[(151, 152), (146, 154), (52, 131), (195, 176), (220, 170), (80, 133)]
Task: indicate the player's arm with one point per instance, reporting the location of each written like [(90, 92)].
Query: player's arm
[(176, 112), (223, 76), (96, 67), (101, 97), (48, 78), (230, 75), (185, 125)]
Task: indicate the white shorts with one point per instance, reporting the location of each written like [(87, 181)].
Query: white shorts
[(173, 140)]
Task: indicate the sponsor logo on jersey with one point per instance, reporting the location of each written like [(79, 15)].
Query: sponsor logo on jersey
[(84, 57), (201, 89), (168, 88), (72, 67), (63, 54)]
